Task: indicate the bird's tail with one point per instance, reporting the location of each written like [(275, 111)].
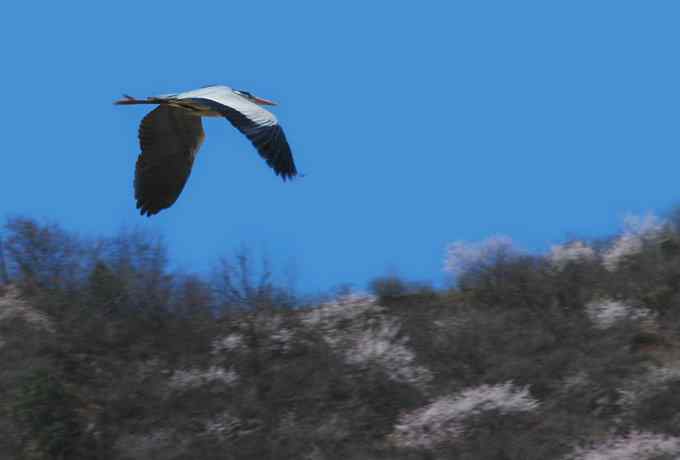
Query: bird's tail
[(129, 100)]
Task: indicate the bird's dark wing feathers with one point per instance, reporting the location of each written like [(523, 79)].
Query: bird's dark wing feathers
[(169, 139), (270, 141)]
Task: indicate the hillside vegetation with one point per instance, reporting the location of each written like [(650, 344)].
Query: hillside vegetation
[(107, 354)]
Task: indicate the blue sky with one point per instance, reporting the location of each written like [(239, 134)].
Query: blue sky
[(416, 124)]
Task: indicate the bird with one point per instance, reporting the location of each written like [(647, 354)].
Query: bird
[(172, 133)]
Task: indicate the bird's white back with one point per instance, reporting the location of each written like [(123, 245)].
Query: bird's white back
[(224, 95)]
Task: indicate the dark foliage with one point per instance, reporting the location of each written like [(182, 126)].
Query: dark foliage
[(109, 355)]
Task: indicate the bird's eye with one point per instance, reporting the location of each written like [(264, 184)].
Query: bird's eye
[(245, 93)]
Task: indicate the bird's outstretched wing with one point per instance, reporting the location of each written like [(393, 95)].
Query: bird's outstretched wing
[(258, 124), (270, 142), (169, 138)]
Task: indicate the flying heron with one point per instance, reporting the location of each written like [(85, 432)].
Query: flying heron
[(171, 134)]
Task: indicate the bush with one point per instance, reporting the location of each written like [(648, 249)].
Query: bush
[(47, 412)]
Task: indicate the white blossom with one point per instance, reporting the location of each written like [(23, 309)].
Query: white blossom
[(634, 446), (228, 343), (148, 445), (636, 230), (334, 428), (574, 380), (356, 327), (625, 246), (649, 224), (561, 255), (12, 306), (183, 379), (224, 426), (383, 348), (462, 256), (444, 419), (345, 308), (281, 339), (605, 313), (655, 380)]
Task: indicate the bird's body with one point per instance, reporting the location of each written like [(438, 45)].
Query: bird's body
[(171, 135)]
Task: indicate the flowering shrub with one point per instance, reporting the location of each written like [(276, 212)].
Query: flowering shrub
[(224, 426), (636, 230), (344, 308), (561, 255), (462, 256), (383, 347), (358, 328), (11, 306), (197, 377), (230, 342), (633, 446), (605, 313), (654, 381), (443, 420)]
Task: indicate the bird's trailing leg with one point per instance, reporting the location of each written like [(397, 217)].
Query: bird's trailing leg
[(129, 100)]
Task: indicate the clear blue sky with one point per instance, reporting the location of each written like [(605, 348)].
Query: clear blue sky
[(417, 123)]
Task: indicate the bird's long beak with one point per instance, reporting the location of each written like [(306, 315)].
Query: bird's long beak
[(261, 101)]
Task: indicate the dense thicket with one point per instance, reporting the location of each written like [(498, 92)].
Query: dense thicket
[(107, 354)]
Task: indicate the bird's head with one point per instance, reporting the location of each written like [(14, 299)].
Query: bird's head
[(255, 99)]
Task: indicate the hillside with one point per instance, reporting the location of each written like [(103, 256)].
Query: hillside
[(571, 355)]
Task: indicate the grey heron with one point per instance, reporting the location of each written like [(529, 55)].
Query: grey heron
[(172, 133)]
